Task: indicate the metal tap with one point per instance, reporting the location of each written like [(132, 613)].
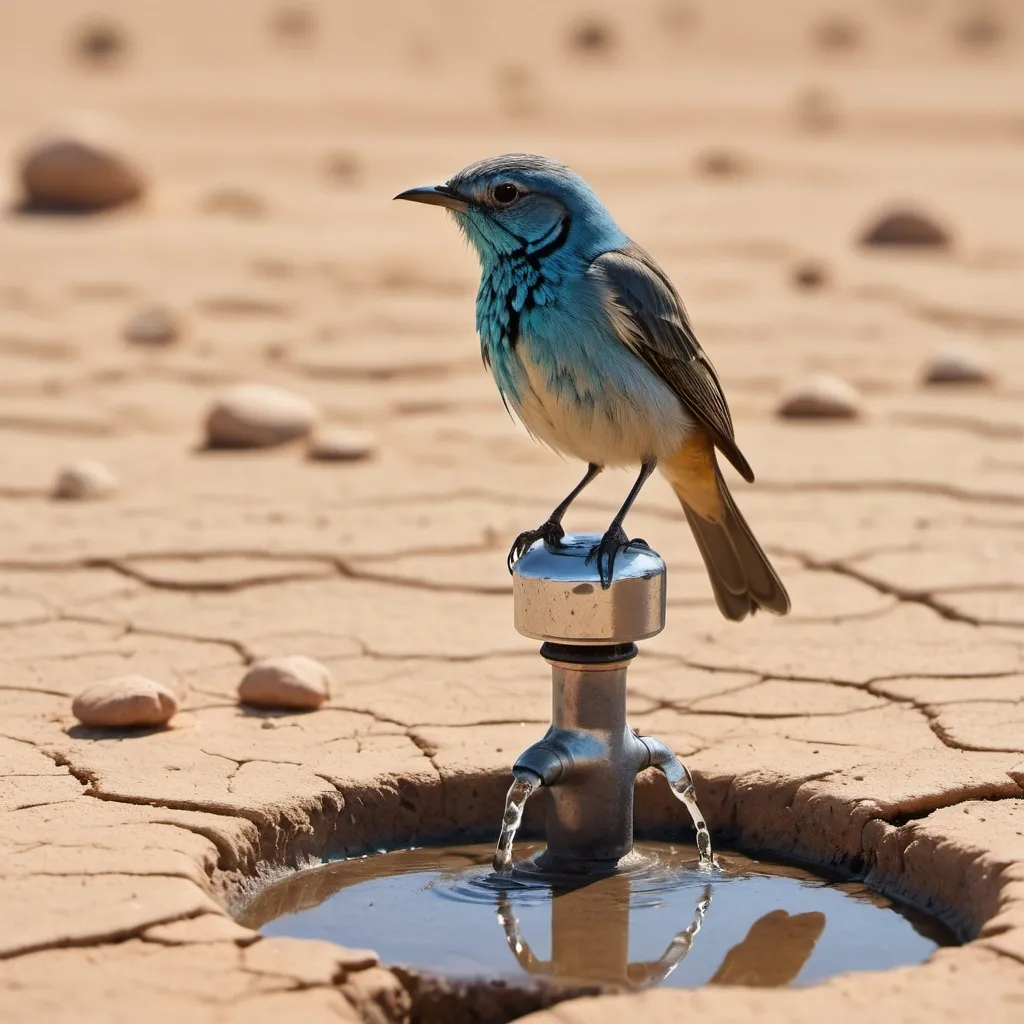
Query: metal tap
[(588, 761)]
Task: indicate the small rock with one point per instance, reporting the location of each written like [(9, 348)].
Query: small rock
[(233, 202), (838, 33), (821, 396), (84, 481), (591, 37), (958, 364), (721, 163), (810, 275), (154, 325), (343, 167), (980, 30), (906, 228), (340, 444), (293, 683), (78, 169), (125, 701), (101, 43), (817, 110), (258, 416), (296, 24)]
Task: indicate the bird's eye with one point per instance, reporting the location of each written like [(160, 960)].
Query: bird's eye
[(506, 193)]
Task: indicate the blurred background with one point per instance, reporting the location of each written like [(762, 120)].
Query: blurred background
[(197, 195)]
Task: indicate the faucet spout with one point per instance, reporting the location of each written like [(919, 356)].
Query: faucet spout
[(544, 761), (681, 783)]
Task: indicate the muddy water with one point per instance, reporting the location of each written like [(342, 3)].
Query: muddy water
[(671, 922)]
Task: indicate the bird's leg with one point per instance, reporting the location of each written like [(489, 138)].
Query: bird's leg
[(551, 529), (615, 539)]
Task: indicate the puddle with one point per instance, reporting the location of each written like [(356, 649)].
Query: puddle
[(746, 922)]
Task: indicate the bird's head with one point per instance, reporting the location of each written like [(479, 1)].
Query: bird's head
[(523, 204)]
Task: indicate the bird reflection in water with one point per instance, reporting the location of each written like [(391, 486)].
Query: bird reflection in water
[(590, 941)]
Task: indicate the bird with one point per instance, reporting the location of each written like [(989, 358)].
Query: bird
[(591, 347)]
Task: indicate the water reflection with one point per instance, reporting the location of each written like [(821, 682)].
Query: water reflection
[(590, 936), (671, 923)]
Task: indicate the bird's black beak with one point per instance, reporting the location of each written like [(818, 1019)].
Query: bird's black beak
[(435, 195)]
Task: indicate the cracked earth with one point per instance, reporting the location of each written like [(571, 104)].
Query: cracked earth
[(880, 727)]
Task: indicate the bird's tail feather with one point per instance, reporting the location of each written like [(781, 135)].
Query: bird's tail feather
[(741, 576)]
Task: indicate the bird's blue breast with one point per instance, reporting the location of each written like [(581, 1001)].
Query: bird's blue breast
[(512, 291)]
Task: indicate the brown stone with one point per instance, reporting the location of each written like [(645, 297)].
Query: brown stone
[(721, 163), (838, 33), (80, 169), (821, 396), (592, 37), (340, 444), (342, 167), (125, 701), (908, 229), (153, 326), (810, 275), (958, 364), (980, 30), (294, 23), (84, 481), (294, 682), (101, 43), (258, 416)]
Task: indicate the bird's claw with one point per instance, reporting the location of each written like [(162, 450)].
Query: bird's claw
[(550, 532), (605, 552)]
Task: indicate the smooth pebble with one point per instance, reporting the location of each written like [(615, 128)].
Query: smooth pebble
[(293, 682), (821, 396), (258, 416), (340, 444), (908, 229), (84, 481), (125, 701), (153, 325), (958, 364), (80, 168)]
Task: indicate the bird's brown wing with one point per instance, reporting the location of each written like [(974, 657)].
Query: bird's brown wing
[(650, 319)]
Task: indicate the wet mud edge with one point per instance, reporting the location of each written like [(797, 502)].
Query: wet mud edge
[(895, 847)]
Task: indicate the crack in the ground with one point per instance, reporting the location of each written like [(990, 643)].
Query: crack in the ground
[(906, 595), (107, 938), (245, 654), (345, 567)]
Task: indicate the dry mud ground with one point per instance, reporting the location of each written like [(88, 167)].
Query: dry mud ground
[(881, 725)]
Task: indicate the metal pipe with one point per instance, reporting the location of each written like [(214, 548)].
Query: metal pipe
[(588, 763)]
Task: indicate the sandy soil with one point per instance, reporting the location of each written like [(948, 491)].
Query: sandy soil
[(881, 724)]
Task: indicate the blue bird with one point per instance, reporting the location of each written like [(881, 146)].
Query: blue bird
[(590, 345)]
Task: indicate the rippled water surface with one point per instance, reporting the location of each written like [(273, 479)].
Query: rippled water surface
[(671, 922)]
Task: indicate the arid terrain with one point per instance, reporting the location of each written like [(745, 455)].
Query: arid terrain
[(750, 147)]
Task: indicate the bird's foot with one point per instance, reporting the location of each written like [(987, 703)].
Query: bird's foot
[(605, 552), (550, 532)]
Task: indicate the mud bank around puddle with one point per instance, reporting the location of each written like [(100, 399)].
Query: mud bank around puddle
[(147, 885)]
